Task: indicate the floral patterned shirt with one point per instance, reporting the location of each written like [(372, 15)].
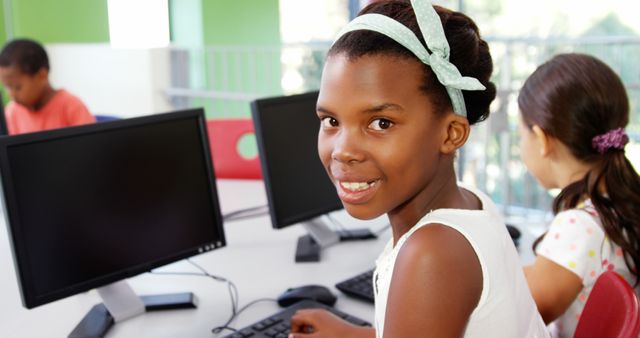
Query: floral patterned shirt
[(577, 242)]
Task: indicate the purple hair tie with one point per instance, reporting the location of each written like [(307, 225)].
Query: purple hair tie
[(615, 138)]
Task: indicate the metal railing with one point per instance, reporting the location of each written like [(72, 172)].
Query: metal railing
[(224, 79)]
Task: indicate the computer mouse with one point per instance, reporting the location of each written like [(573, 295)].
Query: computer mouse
[(515, 234), (318, 293)]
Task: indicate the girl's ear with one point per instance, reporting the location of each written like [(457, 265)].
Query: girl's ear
[(457, 133), (42, 74), (544, 141)]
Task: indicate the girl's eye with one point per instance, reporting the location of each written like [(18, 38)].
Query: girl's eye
[(380, 124), (328, 122)]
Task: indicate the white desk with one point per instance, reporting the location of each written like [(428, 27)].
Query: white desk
[(258, 259)]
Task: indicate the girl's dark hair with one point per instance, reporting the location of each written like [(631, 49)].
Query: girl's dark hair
[(27, 55), (469, 53), (573, 98)]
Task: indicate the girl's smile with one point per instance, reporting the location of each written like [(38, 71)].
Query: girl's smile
[(357, 192)]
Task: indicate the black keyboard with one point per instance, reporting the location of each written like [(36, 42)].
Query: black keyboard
[(360, 286), (279, 324)]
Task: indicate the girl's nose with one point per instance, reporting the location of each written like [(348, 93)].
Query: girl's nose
[(348, 148)]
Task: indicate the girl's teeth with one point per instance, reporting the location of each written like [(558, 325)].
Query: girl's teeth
[(356, 186)]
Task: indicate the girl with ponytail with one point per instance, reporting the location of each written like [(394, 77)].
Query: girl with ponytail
[(574, 109)]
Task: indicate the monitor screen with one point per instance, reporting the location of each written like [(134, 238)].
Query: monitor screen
[(4, 130), (90, 205), (297, 185)]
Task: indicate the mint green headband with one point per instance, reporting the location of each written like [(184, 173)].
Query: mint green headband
[(433, 33)]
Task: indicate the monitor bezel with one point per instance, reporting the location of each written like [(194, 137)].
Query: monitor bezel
[(4, 128), (279, 221), (30, 298)]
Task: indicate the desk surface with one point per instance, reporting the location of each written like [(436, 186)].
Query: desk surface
[(258, 259)]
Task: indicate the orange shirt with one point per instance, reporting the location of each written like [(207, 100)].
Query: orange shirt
[(63, 110)]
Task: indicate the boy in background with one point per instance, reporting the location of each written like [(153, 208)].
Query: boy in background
[(35, 105)]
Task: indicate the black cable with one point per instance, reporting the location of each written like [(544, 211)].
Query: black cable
[(233, 294), (246, 213), (221, 328), (233, 290), (226, 326)]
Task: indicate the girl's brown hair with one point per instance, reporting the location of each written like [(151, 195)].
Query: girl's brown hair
[(573, 98)]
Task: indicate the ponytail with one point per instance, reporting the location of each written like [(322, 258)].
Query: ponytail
[(619, 209)]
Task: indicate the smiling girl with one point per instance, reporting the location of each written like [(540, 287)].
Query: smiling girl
[(400, 89)]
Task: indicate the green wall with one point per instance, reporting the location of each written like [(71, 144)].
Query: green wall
[(3, 31), (60, 21), (233, 28), (241, 22), (224, 22)]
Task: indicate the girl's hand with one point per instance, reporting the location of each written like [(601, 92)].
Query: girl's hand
[(316, 323)]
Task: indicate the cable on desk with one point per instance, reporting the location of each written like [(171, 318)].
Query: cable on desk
[(246, 213), (226, 326), (233, 293), (235, 311)]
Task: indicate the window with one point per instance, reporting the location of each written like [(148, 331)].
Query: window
[(138, 23)]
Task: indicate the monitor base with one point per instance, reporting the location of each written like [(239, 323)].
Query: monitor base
[(98, 320), (170, 301), (356, 234), (95, 323), (307, 250)]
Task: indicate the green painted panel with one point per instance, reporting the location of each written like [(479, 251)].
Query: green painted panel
[(241, 22), (232, 28), (60, 21), (3, 31)]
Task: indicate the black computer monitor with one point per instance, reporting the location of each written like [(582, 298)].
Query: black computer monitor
[(4, 130), (297, 186), (89, 206)]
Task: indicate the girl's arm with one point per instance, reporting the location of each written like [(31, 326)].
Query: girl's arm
[(567, 256), (436, 285), (552, 286)]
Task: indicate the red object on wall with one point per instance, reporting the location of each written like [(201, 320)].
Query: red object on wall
[(224, 135)]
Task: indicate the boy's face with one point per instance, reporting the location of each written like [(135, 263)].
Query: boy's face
[(24, 89), (379, 137)]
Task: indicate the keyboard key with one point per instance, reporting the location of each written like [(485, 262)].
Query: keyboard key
[(259, 327), (246, 333)]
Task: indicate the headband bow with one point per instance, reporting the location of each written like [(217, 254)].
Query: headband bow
[(433, 33)]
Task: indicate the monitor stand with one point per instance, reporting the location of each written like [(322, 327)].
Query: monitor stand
[(321, 236), (120, 302)]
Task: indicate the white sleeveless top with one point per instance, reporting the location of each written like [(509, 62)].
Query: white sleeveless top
[(506, 307)]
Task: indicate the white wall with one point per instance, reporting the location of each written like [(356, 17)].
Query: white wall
[(121, 82)]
